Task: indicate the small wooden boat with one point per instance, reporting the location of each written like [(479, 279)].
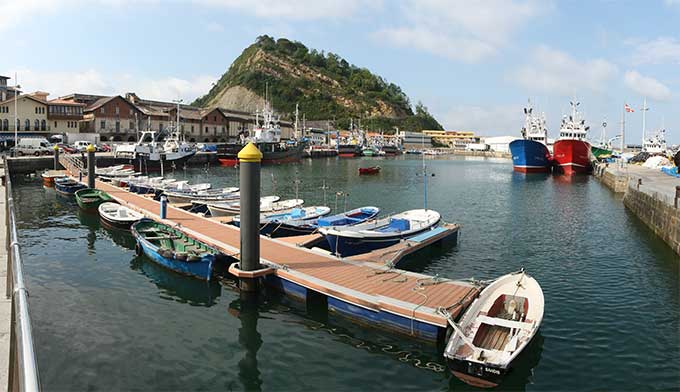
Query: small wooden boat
[(67, 186), (100, 171), (362, 238), (495, 329), (369, 170), (119, 216), (174, 250), (268, 204), (347, 218), (90, 199), (206, 196), (269, 222), (49, 176)]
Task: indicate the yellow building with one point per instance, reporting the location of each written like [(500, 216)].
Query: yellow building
[(31, 115), (453, 139)]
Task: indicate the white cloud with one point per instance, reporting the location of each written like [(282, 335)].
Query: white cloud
[(214, 27), (662, 50), (553, 71), (647, 86), (460, 30), (294, 9), (483, 120), (94, 82), (15, 12)]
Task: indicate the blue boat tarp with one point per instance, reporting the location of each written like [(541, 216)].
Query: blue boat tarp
[(428, 234), (671, 171)]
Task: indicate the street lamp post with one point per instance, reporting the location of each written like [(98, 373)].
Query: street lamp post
[(16, 125)]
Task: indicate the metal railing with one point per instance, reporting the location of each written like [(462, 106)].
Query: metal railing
[(23, 366)]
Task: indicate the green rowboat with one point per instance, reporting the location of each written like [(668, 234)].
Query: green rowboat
[(90, 199)]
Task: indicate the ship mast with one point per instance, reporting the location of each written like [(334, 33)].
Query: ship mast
[(644, 111)]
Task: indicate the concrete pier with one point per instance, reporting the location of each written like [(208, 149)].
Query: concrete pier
[(649, 194), (5, 299)]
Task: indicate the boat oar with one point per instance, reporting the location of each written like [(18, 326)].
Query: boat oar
[(455, 327)]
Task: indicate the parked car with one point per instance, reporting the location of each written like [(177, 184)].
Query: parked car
[(104, 148), (81, 145), (66, 148)]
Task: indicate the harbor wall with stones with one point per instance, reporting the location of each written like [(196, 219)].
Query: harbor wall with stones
[(653, 201), (660, 216)]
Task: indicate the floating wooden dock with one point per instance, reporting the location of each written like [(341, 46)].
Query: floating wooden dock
[(370, 292)]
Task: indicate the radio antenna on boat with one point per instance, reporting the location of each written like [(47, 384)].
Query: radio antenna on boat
[(422, 137), (324, 188)]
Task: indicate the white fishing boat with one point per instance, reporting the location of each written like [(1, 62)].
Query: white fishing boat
[(204, 196), (118, 215), (352, 240), (269, 221), (268, 204), (495, 329)]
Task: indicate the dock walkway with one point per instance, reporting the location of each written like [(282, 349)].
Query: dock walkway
[(380, 292)]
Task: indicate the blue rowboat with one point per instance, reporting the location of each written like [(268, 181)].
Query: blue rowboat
[(174, 250), (347, 218), (269, 222), (347, 241), (67, 186)]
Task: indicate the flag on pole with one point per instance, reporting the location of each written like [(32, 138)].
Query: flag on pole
[(628, 108)]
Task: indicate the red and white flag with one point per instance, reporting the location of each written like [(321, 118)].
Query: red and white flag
[(628, 108)]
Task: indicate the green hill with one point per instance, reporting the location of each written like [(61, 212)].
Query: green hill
[(324, 85)]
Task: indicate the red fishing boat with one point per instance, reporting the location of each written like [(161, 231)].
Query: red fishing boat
[(369, 170), (571, 152)]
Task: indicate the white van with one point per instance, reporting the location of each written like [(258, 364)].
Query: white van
[(33, 146)]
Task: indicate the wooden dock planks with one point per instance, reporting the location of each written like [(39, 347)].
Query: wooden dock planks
[(367, 284)]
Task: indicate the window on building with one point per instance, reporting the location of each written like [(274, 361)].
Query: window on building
[(223, 129), (5, 125), (131, 125), (117, 110), (131, 112), (27, 125), (43, 125), (117, 126), (192, 129), (102, 125), (214, 130), (55, 124), (102, 111), (160, 126), (206, 129), (17, 126)]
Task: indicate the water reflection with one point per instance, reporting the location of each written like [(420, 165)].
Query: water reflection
[(177, 287), (91, 221), (246, 308)]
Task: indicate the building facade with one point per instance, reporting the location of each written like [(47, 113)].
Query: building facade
[(114, 118), (31, 116), (452, 139)]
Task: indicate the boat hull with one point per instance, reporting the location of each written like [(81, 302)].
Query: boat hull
[(572, 156), (145, 164), (350, 246), (228, 155), (200, 269), (68, 189), (476, 374), (530, 156), (600, 152)]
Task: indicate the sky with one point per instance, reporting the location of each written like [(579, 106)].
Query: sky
[(474, 64)]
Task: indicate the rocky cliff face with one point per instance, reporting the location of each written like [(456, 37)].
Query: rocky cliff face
[(325, 86)]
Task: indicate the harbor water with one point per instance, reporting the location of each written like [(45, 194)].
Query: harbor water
[(105, 319)]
